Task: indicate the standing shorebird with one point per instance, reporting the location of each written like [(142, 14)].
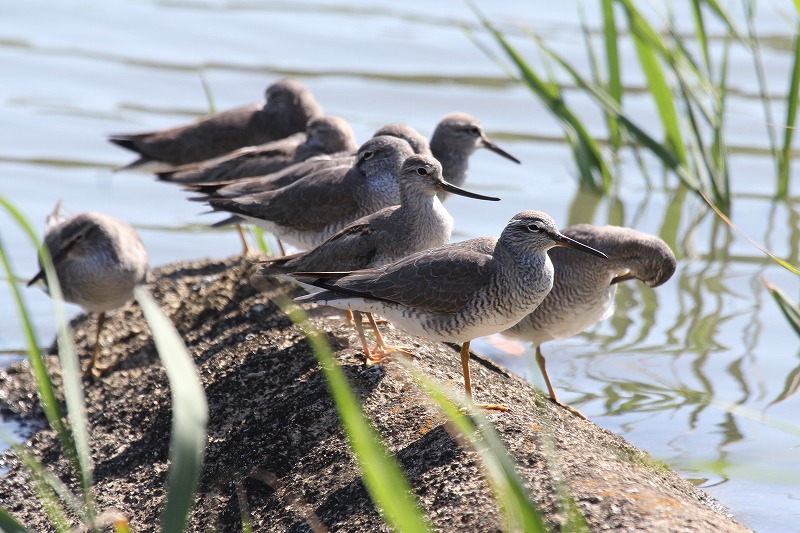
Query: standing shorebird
[(288, 108), (325, 135), (459, 291), (98, 260), (418, 223), (584, 287), (455, 138), (311, 210)]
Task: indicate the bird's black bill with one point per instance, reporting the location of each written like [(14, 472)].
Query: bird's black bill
[(499, 151), (56, 259), (449, 187), (39, 275), (562, 240)]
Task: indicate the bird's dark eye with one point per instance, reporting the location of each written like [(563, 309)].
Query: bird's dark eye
[(367, 155), (475, 131), (422, 172), (534, 228)]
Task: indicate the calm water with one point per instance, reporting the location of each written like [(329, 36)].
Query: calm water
[(701, 372)]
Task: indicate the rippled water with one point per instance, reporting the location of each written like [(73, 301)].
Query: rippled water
[(701, 372)]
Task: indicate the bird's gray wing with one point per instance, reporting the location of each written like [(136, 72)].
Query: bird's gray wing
[(203, 139), (439, 280), (352, 248), (244, 162), (310, 204)]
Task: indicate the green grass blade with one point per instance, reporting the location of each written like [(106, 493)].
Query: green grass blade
[(37, 468), (212, 110), (732, 29), (593, 169), (383, 478), (8, 524), (785, 160), (523, 513), (700, 34), (73, 391), (75, 442), (258, 236), (761, 77), (646, 40), (189, 415), (605, 101), (47, 396), (614, 81), (45, 491), (789, 308), (719, 146)]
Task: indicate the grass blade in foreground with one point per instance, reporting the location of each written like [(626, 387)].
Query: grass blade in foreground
[(385, 482), (189, 415), (788, 307), (523, 514), (46, 486), (9, 525), (77, 455)]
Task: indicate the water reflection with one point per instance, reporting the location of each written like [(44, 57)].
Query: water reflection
[(680, 349)]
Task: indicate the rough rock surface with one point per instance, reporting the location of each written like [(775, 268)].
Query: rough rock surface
[(275, 440)]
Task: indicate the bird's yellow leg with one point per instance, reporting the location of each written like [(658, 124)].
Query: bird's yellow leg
[(382, 348), (246, 250), (550, 391), (94, 367), (369, 358), (468, 383)]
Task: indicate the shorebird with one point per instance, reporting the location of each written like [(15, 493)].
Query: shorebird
[(98, 260), (288, 108), (455, 138), (327, 135), (324, 168), (584, 287), (310, 210), (418, 223), (459, 291)]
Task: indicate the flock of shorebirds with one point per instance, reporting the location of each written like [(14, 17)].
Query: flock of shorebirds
[(373, 227)]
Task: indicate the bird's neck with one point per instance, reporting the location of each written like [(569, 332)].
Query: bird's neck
[(454, 164)]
